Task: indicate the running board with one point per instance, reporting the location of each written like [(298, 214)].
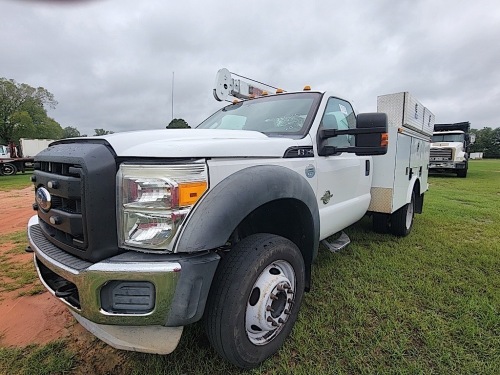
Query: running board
[(338, 244)]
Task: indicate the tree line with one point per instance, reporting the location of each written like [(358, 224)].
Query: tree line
[(487, 141), (23, 114)]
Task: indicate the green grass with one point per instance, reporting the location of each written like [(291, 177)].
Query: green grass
[(15, 274), (424, 304), (18, 181), (50, 359)]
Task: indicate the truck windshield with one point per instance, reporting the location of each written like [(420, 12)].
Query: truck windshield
[(447, 138), (279, 115)]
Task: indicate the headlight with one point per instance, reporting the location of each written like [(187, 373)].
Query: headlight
[(153, 201)]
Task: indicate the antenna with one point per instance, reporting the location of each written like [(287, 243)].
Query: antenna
[(173, 95)]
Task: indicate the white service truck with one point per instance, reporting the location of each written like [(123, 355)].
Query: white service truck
[(142, 233), (450, 148)]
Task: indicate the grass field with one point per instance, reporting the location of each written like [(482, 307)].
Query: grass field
[(425, 304), (17, 181)]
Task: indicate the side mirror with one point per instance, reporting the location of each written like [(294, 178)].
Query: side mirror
[(370, 132), (376, 140)]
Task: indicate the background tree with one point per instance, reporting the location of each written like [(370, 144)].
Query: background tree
[(102, 132), (487, 141), (70, 132), (23, 112), (178, 123)]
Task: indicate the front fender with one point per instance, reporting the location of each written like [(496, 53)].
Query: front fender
[(211, 223)]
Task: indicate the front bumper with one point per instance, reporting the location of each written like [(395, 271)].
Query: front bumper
[(181, 284), (446, 165)]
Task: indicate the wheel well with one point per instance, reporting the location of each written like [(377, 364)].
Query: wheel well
[(289, 218)]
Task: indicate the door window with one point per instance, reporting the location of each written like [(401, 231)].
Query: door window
[(339, 115)]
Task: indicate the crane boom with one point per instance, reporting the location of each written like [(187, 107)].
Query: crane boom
[(241, 88)]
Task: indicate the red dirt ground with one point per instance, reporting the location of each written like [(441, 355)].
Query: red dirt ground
[(29, 319), (41, 318)]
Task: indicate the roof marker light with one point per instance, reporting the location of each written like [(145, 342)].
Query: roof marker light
[(307, 88)]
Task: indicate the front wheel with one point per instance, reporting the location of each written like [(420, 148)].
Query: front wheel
[(254, 299)]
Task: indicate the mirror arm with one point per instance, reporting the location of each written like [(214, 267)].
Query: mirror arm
[(330, 133)]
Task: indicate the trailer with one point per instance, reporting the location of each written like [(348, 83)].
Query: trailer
[(14, 159)]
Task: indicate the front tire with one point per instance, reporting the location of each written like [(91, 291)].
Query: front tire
[(254, 299)]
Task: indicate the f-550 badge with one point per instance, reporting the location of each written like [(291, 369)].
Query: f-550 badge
[(326, 197)]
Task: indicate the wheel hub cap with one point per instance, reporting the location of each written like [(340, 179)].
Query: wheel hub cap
[(270, 302)]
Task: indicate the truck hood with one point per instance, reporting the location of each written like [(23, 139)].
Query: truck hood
[(199, 143)]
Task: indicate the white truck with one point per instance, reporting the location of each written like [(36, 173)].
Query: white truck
[(450, 148), (142, 233)]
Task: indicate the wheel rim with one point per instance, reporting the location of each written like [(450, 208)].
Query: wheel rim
[(8, 170), (409, 215), (270, 303)]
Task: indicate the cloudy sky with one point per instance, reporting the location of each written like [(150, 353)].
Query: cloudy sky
[(109, 63)]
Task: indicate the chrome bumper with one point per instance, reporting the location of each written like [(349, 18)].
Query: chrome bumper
[(89, 278), (179, 297)]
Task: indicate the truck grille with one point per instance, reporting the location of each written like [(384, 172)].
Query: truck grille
[(80, 178), (441, 154)]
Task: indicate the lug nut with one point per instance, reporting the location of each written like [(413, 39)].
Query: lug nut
[(269, 308), (273, 297), (272, 321)]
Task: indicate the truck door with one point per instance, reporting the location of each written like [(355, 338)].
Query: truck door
[(344, 179)]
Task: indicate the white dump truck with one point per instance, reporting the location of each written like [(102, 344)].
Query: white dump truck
[(450, 148), (143, 233)]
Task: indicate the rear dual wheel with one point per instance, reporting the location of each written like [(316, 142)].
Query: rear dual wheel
[(255, 298)]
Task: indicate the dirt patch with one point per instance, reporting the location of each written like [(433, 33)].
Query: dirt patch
[(26, 320), (16, 209), (41, 318)]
